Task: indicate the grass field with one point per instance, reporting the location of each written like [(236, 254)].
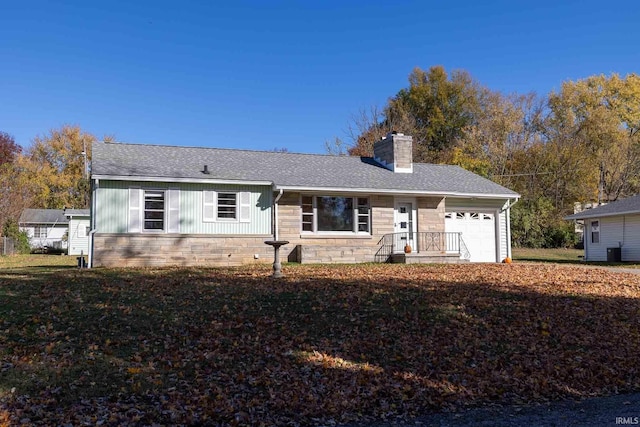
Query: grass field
[(325, 344), (22, 261), (548, 255)]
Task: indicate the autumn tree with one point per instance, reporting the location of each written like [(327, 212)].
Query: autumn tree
[(594, 125), (9, 150), (13, 197), (56, 165)]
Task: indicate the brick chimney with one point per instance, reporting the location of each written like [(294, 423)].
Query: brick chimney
[(395, 152)]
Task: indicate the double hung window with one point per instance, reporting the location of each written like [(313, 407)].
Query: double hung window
[(40, 232), (595, 231)]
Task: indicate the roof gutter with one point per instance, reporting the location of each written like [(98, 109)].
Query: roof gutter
[(275, 214), (510, 204), (180, 179), (597, 215), (399, 192)]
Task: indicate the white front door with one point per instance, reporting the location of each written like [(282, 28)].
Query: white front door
[(403, 228)]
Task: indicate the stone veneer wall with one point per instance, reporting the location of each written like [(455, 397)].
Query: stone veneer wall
[(395, 151), (431, 214), (157, 250), (335, 249)]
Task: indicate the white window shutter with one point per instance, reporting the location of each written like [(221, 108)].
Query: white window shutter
[(134, 210), (173, 196), (245, 206), (208, 205)]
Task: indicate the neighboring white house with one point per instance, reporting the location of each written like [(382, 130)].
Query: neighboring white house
[(161, 205), (612, 231), (45, 227), (78, 237)]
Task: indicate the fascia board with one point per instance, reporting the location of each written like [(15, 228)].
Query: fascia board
[(597, 215), (183, 180), (397, 192)]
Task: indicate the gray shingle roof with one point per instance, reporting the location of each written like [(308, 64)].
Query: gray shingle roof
[(284, 170), (43, 216), (76, 212), (630, 205)]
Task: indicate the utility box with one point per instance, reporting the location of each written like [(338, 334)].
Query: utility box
[(614, 254)]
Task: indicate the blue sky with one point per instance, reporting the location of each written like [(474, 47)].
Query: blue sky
[(280, 74)]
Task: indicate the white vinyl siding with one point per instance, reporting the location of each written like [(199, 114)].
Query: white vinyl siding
[(615, 232), (503, 244), (631, 244), (78, 236)]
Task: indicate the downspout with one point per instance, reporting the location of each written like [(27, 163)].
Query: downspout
[(92, 218), (275, 214)]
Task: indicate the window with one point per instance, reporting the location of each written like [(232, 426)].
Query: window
[(307, 213), (82, 231), (335, 214), (226, 206), (363, 214), (40, 232), (595, 231), (153, 210)]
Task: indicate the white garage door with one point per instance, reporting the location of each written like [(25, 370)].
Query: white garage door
[(478, 232)]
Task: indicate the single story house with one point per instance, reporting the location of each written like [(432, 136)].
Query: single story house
[(45, 228), (78, 234), (158, 205), (612, 231)]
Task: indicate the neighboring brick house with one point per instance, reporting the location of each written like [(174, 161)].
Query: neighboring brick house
[(162, 205)]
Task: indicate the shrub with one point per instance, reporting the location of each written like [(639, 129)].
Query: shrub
[(20, 238)]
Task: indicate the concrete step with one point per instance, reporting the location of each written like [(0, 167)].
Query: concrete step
[(428, 258)]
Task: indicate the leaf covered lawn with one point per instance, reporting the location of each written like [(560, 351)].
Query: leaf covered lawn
[(324, 345)]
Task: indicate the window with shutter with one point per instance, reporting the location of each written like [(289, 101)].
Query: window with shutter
[(174, 210), (245, 207), (134, 210), (208, 206)]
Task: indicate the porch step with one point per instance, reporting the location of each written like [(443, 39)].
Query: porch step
[(428, 258)]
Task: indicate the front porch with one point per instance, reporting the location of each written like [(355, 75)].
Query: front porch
[(433, 247)]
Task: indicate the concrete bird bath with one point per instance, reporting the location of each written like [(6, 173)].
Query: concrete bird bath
[(277, 267)]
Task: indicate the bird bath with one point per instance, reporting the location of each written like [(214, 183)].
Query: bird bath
[(277, 267)]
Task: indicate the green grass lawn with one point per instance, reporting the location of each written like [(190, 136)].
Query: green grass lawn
[(562, 256), (325, 344), (22, 261), (553, 255)]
